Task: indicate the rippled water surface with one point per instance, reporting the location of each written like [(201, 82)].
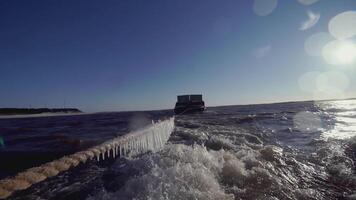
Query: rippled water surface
[(303, 150)]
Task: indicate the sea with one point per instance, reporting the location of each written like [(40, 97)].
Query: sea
[(295, 150)]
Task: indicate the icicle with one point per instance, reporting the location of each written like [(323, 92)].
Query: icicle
[(96, 152), (121, 151), (124, 149)]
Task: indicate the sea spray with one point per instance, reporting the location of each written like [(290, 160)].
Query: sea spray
[(152, 138), (196, 172)]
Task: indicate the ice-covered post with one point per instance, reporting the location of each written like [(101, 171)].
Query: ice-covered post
[(151, 138)]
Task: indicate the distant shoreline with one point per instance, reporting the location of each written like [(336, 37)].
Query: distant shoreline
[(37, 112), (281, 102), (41, 115)]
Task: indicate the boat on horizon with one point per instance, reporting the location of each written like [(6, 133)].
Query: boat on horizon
[(187, 104)]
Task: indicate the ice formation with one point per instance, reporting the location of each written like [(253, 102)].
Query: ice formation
[(151, 138)]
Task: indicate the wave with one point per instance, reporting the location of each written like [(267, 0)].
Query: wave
[(265, 172), (195, 172)]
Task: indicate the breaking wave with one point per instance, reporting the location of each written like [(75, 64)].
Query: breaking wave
[(194, 172)]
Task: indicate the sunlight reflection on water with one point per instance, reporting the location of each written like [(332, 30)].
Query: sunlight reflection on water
[(345, 119)]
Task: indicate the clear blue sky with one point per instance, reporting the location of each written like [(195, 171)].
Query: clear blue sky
[(117, 55)]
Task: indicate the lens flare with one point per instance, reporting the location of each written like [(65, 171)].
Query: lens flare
[(340, 52), (264, 7), (315, 43), (343, 25), (307, 82), (307, 122), (332, 81)]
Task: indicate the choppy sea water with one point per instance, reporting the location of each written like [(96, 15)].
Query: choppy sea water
[(303, 150)]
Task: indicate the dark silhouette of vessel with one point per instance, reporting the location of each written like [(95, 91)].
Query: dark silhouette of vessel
[(189, 104)]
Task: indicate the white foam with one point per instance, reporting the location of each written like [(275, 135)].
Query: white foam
[(194, 172)]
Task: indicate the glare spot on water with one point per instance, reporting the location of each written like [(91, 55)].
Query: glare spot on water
[(343, 25), (307, 122), (264, 7), (340, 52), (307, 2), (345, 120), (315, 43)]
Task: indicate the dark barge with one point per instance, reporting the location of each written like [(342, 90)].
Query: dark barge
[(189, 104)]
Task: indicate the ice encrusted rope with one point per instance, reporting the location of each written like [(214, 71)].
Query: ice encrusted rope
[(152, 138)]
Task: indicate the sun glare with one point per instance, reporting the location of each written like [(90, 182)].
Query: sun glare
[(340, 52), (345, 52)]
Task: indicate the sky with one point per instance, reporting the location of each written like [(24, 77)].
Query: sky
[(119, 55)]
